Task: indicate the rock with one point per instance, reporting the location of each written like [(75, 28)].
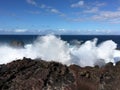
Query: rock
[(118, 64), (76, 42), (17, 44), (28, 74)]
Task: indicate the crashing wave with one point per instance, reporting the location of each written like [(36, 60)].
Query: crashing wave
[(53, 48)]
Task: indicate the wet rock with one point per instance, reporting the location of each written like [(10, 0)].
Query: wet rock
[(17, 44)]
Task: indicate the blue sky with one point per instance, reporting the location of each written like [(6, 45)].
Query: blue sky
[(60, 16)]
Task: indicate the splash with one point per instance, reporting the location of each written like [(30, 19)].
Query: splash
[(50, 47)]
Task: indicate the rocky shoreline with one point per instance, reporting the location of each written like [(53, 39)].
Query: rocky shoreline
[(28, 74)]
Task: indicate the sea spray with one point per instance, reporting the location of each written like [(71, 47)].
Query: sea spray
[(50, 47)]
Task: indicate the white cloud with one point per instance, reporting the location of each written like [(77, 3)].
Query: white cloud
[(100, 4), (51, 9), (60, 31), (108, 16), (104, 15), (78, 4), (54, 10), (32, 2), (118, 8), (43, 6), (92, 10), (96, 13), (20, 30)]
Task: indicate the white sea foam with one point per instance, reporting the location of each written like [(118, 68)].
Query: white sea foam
[(50, 47)]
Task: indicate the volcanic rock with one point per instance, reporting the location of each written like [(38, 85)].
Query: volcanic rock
[(28, 74), (17, 44)]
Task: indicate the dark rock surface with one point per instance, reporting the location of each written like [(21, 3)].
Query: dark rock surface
[(30, 74), (17, 44)]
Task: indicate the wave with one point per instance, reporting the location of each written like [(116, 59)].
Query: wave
[(52, 48)]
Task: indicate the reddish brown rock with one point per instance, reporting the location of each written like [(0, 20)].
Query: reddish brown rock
[(30, 74)]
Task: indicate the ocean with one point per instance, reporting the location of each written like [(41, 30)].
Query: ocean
[(30, 38)]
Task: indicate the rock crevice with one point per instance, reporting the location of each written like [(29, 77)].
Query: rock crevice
[(28, 74)]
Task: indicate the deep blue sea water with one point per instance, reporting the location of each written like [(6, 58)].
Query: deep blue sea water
[(68, 38)]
